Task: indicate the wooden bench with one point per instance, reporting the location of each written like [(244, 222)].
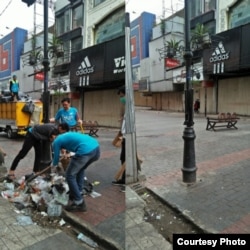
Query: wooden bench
[(223, 120), (91, 127)]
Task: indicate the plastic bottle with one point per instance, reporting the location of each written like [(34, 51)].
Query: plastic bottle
[(87, 240)]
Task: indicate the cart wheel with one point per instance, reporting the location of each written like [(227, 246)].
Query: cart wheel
[(9, 133)]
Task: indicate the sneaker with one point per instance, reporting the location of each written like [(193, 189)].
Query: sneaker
[(76, 208), (123, 189), (118, 183)]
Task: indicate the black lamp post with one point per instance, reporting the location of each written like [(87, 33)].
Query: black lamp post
[(46, 149), (189, 164)]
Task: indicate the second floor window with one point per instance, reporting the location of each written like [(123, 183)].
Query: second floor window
[(76, 44), (198, 7), (62, 23), (77, 17)]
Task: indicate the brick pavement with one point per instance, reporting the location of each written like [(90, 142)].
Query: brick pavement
[(219, 200)]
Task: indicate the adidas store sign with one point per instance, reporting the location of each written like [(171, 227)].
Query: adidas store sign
[(219, 54), (85, 68)]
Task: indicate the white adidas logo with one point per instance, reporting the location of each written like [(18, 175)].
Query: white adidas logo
[(219, 54), (85, 68), (83, 72)]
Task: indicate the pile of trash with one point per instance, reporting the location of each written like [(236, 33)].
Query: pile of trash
[(47, 193), (40, 199)]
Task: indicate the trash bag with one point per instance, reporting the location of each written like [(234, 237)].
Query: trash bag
[(29, 107)]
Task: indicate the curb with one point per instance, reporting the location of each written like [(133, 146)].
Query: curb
[(90, 231)]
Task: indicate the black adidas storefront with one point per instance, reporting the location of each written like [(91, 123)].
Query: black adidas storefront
[(227, 64), (99, 67), (95, 75)]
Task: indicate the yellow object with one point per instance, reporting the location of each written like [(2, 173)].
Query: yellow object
[(14, 121), (81, 127)]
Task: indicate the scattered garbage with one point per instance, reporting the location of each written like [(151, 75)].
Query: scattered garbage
[(24, 220), (45, 195), (87, 240), (151, 215), (62, 222), (9, 186), (94, 194), (54, 209)]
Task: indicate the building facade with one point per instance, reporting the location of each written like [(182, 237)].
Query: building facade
[(93, 39), (11, 48), (214, 81)]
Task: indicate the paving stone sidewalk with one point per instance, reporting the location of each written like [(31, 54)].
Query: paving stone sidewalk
[(218, 202)]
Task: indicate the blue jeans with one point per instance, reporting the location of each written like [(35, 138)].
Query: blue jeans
[(75, 173)]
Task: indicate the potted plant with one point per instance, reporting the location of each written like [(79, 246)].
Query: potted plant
[(172, 47), (34, 57), (56, 45), (200, 37)]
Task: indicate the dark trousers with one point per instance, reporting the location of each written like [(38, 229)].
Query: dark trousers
[(123, 158), (13, 96), (29, 142)]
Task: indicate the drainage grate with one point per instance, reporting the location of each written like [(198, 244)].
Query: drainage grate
[(137, 187)]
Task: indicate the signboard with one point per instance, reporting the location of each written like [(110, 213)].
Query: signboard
[(39, 76), (101, 64), (171, 63), (224, 55)]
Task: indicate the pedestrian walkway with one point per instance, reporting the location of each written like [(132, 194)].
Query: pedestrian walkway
[(218, 202), (18, 234)]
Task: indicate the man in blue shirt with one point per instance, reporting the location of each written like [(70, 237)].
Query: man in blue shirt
[(67, 114), (87, 150)]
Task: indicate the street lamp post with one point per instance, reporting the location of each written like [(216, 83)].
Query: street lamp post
[(189, 165), (46, 150), (46, 156)]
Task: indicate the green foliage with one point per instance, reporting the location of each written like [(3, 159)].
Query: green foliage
[(172, 43), (199, 31), (55, 42)]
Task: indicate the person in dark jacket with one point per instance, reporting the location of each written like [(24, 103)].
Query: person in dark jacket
[(122, 94), (35, 135)]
